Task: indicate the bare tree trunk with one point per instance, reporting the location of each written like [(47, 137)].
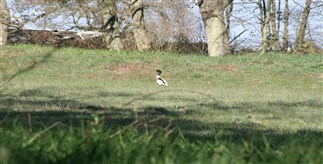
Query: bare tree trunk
[(4, 22), (215, 26), (268, 25), (265, 19), (279, 19), (301, 31), (285, 33), (275, 32), (111, 26), (262, 15), (140, 34)]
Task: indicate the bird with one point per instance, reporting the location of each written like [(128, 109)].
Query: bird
[(198, 2), (160, 81)]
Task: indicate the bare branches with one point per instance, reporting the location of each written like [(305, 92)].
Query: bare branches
[(236, 37), (168, 20), (21, 24)]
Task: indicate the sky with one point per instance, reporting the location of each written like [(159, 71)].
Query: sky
[(245, 18)]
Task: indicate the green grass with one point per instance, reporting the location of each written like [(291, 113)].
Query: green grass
[(68, 104)]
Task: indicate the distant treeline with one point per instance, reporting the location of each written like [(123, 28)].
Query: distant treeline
[(56, 38), (94, 41)]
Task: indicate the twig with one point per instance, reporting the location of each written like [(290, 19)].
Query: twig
[(42, 132), (127, 127), (237, 36), (27, 69)]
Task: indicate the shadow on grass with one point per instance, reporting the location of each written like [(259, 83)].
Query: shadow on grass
[(72, 113)]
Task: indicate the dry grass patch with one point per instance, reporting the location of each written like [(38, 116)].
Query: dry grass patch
[(124, 69)]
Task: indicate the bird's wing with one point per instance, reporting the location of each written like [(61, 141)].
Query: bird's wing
[(162, 80)]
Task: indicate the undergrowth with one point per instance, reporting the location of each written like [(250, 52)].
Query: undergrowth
[(140, 142)]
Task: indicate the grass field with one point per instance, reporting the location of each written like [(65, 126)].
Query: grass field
[(96, 106)]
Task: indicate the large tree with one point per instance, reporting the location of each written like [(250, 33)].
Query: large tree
[(140, 33), (300, 38), (111, 24), (215, 26), (113, 14), (4, 22)]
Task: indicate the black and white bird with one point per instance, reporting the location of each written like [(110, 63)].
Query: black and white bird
[(198, 2), (160, 81)]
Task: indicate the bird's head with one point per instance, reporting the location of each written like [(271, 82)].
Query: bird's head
[(158, 72)]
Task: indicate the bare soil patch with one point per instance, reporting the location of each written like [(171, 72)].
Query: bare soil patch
[(125, 69)]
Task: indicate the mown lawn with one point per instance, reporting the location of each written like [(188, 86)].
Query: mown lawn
[(94, 106)]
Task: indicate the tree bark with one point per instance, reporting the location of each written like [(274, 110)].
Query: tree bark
[(301, 31), (4, 22), (262, 15), (264, 18), (279, 22), (215, 26), (285, 33), (111, 26), (275, 32), (142, 39)]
